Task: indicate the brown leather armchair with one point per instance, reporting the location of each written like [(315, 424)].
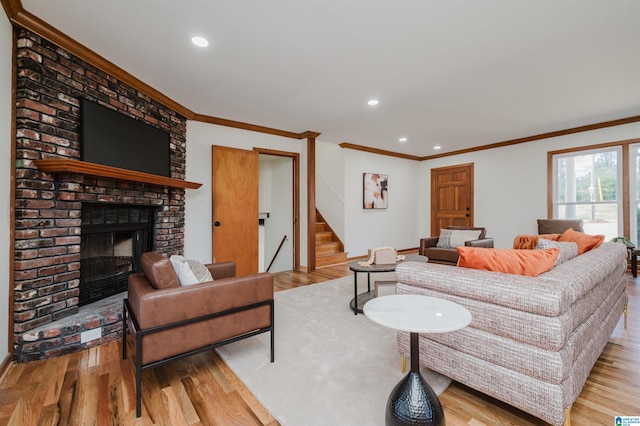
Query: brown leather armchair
[(169, 322), (558, 226), (449, 256)]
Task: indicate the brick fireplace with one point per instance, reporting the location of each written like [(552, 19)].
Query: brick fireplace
[(114, 236), (49, 206)]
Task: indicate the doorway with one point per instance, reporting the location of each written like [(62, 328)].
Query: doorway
[(276, 214), (451, 197), (280, 198), (237, 215)]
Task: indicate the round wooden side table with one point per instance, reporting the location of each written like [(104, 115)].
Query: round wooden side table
[(360, 299)]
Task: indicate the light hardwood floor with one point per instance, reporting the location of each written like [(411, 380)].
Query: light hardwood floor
[(96, 387)]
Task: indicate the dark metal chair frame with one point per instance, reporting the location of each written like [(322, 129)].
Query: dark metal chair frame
[(128, 316)]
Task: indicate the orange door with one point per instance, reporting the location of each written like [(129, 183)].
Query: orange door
[(234, 183), (451, 197)]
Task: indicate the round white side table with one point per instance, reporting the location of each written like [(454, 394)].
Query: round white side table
[(412, 401)]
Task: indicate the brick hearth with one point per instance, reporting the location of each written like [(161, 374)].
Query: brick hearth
[(47, 230), (65, 335)]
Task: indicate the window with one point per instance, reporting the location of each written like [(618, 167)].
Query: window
[(634, 192), (587, 186)]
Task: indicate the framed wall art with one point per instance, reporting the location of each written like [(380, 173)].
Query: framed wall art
[(375, 191)]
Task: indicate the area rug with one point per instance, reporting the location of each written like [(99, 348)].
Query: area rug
[(331, 367)]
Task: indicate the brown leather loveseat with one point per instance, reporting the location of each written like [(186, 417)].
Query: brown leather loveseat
[(169, 321), (449, 255)]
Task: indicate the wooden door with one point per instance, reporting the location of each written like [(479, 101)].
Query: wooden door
[(451, 197), (234, 183)]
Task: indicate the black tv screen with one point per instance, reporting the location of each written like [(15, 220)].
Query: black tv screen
[(110, 138)]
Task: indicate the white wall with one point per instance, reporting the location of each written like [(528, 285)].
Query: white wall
[(511, 182), (6, 48), (510, 187), (200, 138), (264, 176), (330, 171), (396, 226)]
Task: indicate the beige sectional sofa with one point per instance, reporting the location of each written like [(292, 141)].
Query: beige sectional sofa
[(533, 340)]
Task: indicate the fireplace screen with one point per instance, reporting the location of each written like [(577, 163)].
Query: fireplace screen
[(98, 267), (113, 239)]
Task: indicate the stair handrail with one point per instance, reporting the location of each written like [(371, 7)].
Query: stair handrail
[(277, 251), (335, 193), (331, 203)]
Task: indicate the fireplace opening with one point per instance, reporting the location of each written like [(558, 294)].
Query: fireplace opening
[(112, 240)]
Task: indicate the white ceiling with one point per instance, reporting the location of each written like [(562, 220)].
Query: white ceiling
[(456, 73)]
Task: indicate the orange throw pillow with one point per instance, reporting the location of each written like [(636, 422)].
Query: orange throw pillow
[(585, 242), (519, 262), (529, 242)]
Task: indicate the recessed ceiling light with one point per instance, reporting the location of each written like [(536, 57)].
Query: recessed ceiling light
[(199, 41), (437, 147), (373, 102), (402, 139)]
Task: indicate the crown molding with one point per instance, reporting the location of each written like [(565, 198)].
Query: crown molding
[(22, 18), (247, 126), (11, 7), (309, 135), (27, 20), (579, 129), (348, 145), (586, 128)]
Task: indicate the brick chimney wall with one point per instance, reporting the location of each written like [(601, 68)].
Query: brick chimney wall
[(50, 83)]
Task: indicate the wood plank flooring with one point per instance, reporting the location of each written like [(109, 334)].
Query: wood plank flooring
[(96, 387)]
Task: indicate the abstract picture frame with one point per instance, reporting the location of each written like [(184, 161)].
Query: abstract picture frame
[(375, 191)]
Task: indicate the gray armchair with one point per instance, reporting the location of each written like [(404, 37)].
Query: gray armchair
[(449, 256)]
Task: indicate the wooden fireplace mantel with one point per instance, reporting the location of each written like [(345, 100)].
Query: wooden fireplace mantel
[(64, 165)]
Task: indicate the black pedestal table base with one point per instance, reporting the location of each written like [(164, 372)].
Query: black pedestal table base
[(412, 402)]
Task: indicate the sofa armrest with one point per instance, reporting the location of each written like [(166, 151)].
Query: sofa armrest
[(160, 307), (426, 243), (484, 242), (222, 270)]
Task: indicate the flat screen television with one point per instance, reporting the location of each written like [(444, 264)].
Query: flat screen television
[(110, 138)]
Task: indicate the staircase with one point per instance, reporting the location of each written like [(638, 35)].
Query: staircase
[(329, 248)]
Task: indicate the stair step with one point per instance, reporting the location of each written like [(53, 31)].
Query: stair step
[(331, 259), (328, 245), (327, 248), (324, 237)]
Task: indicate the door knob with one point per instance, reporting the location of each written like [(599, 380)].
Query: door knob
[(216, 223)]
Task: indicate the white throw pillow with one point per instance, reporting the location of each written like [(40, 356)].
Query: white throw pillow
[(190, 271), (568, 250), (450, 238)]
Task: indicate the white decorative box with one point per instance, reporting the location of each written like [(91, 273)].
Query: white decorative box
[(383, 256)]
